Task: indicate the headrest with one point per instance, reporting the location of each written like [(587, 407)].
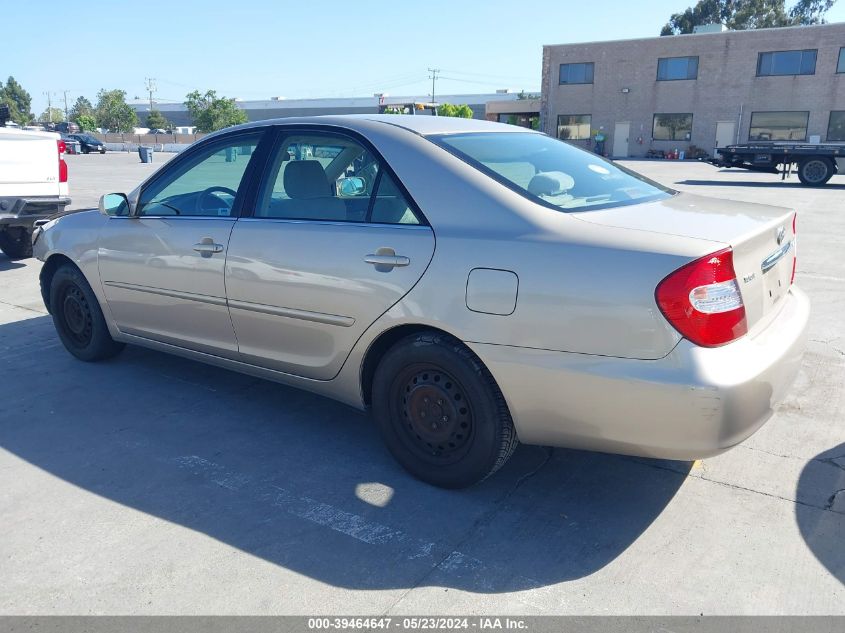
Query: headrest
[(306, 179), (550, 183)]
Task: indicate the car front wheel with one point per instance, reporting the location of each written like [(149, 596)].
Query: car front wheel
[(440, 412), (78, 318)]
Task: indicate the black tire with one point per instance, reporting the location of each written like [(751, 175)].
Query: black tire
[(440, 412), (85, 150), (17, 246), (815, 171), (78, 318), (103, 150)]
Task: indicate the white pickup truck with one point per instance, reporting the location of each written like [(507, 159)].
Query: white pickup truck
[(33, 185)]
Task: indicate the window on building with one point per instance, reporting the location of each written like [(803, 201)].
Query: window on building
[(576, 73), (674, 68), (672, 127), (787, 63), (836, 126), (573, 127), (840, 66), (778, 126)]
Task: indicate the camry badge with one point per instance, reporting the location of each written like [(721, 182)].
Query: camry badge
[(781, 234)]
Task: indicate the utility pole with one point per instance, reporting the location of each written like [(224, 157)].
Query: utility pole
[(151, 88), (65, 94), (433, 76), (49, 106)]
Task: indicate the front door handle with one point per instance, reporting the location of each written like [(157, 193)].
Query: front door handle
[(207, 247), (386, 259)]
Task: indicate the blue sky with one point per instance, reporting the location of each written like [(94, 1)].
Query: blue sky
[(254, 49)]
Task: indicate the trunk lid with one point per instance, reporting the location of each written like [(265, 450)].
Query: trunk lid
[(761, 236)]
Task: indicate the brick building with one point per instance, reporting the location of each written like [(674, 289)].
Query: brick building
[(705, 89)]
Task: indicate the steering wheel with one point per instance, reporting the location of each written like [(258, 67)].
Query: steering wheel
[(208, 193)]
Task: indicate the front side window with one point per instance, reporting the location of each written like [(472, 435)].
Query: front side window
[(778, 126), (676, 68), (787, 63), (331, 178), (205, 184), (576, 73), (672, 127), (551, 172), (840, 65), (573, 127), (836, 126)]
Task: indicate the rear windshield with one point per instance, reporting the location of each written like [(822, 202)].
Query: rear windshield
[(549, 171)]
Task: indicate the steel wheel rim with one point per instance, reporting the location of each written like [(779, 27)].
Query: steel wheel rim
[(76, 316), (434, 417), (815, 171)]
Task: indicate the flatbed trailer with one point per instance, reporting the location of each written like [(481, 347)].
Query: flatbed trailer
[(814, 163)]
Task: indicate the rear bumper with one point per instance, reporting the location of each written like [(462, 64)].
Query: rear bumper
[(24, 211), (693, 403)]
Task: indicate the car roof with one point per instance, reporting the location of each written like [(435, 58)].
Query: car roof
[(423, 124)]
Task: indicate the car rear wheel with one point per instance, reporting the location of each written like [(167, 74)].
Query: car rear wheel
[(16, 245), (85, 150), (440, 412), (78, 318), (815, 172)]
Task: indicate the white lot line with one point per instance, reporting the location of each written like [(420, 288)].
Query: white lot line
[(454, 563)]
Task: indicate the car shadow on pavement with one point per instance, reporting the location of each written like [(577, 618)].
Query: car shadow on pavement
[(823, 529), (8, 264), (753, 183), (304, 482)]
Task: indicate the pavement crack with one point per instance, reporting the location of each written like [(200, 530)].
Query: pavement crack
[(832, 500)]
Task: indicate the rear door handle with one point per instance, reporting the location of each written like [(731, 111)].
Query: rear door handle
[(386, 259)]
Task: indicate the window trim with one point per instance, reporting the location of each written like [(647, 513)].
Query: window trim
[(277, 135), (697, 66), (829, 119), (793, 50), (840, 61), (576, 83), (557, 127), (672, 140), (751, 121), (244, 189)]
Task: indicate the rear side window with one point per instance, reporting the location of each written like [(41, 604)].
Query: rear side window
[(554, 173), (331, 178)]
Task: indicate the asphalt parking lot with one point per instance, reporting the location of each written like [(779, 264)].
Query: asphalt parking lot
[(155, 485)]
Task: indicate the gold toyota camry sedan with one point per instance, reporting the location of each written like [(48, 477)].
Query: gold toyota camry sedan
[(474, 284)]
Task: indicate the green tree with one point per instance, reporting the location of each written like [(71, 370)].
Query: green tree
[(460, 111), (52, 115), (113, 113), (156, 121), (740, 15), (18, 100), (82, 107), (210, 112), (87, 122)]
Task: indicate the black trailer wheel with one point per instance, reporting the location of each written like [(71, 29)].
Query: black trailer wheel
[(815, 171)]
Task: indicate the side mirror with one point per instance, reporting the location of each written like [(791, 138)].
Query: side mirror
[(352, 186), (114, 204)]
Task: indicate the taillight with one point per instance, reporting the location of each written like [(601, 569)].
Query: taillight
[(794, 248), (702, 300), (60, 145)]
